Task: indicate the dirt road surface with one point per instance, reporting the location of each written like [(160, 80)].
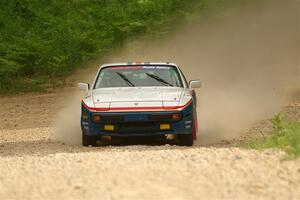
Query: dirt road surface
[(32, 166)]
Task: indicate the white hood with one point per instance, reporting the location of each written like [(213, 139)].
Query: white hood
[(144, 96)]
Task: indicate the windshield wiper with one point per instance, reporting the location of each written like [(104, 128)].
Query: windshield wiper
[(159, 79), (126, 79)]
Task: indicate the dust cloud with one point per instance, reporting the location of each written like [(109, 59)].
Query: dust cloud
[(248, 61), (67, 125)]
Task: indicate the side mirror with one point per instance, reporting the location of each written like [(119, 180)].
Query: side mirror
[(84, 86), (195, 84)]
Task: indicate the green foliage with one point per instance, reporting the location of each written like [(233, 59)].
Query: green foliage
[(41, 38), (286, 136), (277, 123), (42, 41)]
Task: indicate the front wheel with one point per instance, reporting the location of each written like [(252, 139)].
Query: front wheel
[(186, 140), (89, 140)]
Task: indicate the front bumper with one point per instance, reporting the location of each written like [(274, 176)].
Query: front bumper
[(141, 123)]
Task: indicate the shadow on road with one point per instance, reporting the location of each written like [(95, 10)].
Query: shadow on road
[(47, 147)]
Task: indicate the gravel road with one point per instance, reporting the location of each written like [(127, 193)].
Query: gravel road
[(32, 166)]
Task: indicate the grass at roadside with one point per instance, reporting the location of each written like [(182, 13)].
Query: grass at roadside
[(42, 40), (285, 136)]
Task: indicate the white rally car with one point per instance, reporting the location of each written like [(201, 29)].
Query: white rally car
[(139, 99)]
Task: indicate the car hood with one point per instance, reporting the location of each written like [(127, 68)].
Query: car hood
[(131, 96)]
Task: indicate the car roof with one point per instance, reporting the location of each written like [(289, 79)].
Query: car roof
[(137, 63)]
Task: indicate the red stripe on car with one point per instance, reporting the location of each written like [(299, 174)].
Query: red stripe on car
[(138, 108)]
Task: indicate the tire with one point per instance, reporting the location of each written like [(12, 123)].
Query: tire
[(186, 140), (89, 140)]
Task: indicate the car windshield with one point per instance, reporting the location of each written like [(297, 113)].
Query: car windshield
[(138, 76)]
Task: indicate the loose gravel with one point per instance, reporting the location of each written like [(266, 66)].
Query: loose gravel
[(32, 166)]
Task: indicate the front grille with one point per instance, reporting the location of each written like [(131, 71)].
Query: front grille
[(153, 117), (112, 118), (137, 127), (161, 117)]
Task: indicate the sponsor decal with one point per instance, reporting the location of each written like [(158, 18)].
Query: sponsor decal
[(124, 67), (188, 122), (137, 67), (188, 126)]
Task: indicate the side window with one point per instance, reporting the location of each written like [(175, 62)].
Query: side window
[(186, 82), (175, 77)]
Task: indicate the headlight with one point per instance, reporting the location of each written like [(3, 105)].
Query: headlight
[(165, 126), (109, 127)]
